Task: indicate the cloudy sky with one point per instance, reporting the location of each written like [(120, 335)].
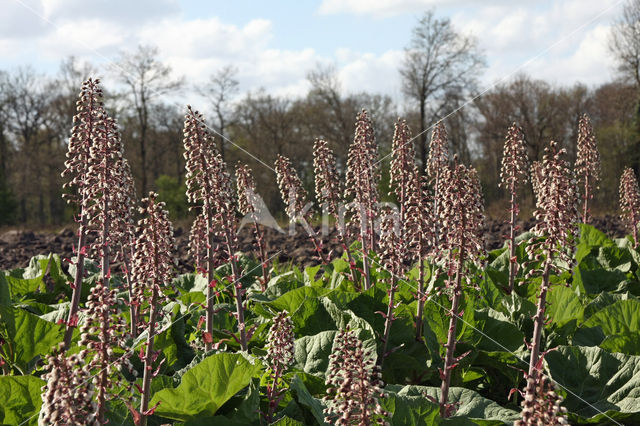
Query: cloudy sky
[(275, 43)]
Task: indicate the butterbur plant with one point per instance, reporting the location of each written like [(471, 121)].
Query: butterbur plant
[(90, 110), (587, 163), (420, 237), (393, 249), (436, 163), (541, 404), (415, 210), (198, 242), (106, 191), (209, 186), (247, 201), (361, 189), (536, 178), (556, 215), (354, 384), (104, 334), (280, 352), (513, 173), (152, 271), (295, 198), (67, 397), (329, 193), (461, 215), (630, 202), (403, 168)]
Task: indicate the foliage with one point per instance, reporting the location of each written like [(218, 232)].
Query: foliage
[(593, 358)]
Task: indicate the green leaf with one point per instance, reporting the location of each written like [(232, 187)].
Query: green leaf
[(312, 352), (594, 280), (305, 399), (411, 410), (620, 319), (28, 335), (206, 387), (5, 294), (596, 381), (563, 305), (590, 237), (472, 404), (603, 300), (287, 421), (20, 399)]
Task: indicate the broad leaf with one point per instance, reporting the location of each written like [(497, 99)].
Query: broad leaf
[(595, 380), (20, 399), (28, 335), (206, 387)]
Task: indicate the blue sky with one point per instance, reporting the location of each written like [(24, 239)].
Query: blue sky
[(275, 43)]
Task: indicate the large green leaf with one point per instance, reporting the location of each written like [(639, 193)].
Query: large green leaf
[(590, 238), (206, 387), (618, 322), (20, 400), (594, 279), (472, 404), (312, 352), (28, 335), (563, 305), (411, 410), (596, 381), (305, 399)]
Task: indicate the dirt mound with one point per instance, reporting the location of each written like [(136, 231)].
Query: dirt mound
[(18, 246)]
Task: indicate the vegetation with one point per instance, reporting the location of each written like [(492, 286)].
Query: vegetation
[(414, 324)]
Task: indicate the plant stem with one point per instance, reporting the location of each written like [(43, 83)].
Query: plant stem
[(133, 312), (420, 308), (237, 285), (458, 296), (72, 318), (104, 365), (512, 242), (389, 318), (539, 321), (148, 359), (210, 277), (585, 213), (263, 254)]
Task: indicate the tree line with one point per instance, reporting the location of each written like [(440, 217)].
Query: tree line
[(439, 77)]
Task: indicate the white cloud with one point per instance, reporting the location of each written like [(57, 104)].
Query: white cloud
[(387, 8)]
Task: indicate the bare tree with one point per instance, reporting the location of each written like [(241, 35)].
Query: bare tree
[(147, 79), (438, 61), (624, 43), (221, 87)]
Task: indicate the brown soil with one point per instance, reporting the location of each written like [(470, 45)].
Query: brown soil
[(18, 246)]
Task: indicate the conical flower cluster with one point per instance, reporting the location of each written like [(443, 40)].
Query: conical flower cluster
[(103, 333), (355, 387), (587, 162), (556, 213), (403, 169), (362, 175), (541, 404), (153, 262), (630, 202), (327, 182), (90, 111), (461, 214), (438, 151), (293, 193), (514, 159), (67, 396)]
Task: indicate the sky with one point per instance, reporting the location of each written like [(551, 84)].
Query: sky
[(274, 44)]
